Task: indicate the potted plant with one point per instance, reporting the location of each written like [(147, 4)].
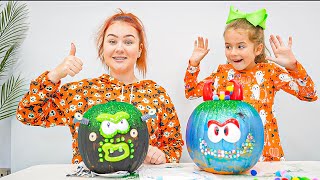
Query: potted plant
[(13, 28)]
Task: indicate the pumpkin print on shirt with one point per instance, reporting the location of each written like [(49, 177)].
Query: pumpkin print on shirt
[(47, 105), (260, 85)]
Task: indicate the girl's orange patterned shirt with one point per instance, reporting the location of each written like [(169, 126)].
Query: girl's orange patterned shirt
[(47, 105), (260, 85)]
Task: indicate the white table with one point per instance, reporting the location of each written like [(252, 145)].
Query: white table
[(265, 170)]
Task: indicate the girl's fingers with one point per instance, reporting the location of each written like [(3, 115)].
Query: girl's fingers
[(201, 42), (274, 41), (272, 45), (206, 52), (280, 40), (206, 44), (290, 42)]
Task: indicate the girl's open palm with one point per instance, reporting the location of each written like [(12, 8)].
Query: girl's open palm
[(199, 52), (283, 54)]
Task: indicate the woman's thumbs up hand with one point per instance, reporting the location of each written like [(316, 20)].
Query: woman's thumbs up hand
[(71, 65)]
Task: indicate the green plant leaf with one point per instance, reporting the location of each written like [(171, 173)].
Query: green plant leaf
[(7, 61), (13, 28), (10, 92)]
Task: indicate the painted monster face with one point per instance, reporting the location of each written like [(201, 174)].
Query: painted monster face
[(114, 139), (225, 137), (111, 125)]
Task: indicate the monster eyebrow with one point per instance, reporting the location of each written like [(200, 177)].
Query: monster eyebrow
[(113, 117), (242, 116), (121, 115), (104, 116)]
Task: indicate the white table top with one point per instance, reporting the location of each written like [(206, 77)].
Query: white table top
[(265, 170)]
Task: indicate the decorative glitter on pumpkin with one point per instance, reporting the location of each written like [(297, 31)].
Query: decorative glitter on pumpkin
[(115, 139), (225, 136)]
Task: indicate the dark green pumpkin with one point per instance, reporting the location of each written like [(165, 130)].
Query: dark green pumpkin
[(115, 139)]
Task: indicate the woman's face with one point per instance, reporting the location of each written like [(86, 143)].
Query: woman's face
[(121, 47)]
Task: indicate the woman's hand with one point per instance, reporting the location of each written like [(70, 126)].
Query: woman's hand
[(155, 156), (71, 65), (199, 52), (283, 54)]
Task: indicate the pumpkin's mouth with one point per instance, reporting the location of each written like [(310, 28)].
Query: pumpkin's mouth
[(246, 148), (116, 152)]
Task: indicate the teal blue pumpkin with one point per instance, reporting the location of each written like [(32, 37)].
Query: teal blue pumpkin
[(225, 136), (112, 137)]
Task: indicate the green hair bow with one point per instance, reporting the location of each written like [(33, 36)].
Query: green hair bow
[(257, 18)]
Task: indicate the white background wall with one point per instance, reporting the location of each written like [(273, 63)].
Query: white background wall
[(171, 29)]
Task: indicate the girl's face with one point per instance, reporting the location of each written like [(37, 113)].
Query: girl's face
[(121, 47), (239, 50)]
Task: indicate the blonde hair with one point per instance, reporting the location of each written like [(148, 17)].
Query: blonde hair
[(135, 22), (255, 34)]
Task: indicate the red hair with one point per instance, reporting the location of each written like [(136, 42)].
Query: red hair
[(135, 22)]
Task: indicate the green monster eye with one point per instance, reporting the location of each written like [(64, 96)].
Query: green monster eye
[(112, 124)]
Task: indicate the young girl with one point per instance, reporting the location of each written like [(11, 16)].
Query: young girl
[(121, 46), (245, 51)]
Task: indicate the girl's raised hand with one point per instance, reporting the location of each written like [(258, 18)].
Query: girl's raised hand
[(283, 54), (199, 52)]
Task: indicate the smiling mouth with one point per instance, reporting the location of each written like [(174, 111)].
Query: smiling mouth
[(246, 148), (237, 61), (116, 152), (119, 59)]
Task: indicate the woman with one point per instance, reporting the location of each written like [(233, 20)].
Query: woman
[(121, 46)]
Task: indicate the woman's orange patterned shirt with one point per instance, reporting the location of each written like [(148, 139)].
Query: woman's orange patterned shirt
[(260, 85), (47, 105)]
